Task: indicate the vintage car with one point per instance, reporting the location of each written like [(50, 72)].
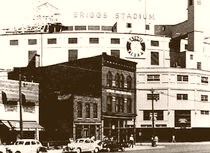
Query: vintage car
[(26, 146), (82, 145)]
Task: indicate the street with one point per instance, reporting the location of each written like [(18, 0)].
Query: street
[(171, 148)]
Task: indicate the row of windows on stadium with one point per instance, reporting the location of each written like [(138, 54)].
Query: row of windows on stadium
[(158, 114), (122, 105), (178, 97), (183, 78), (75, 41)]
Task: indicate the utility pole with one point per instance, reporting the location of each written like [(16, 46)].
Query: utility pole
[(153, 121), (20, 105)]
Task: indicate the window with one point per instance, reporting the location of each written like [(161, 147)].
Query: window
[(204, 112), (115, 41), (73, 54), (204, 80), (199, 65), (147, 27), (106, 28), (158, 115), (182, 96), (128, 25), (109, 103), (117, 105), (154, 58), (186, 46), (121, 104), (153, 77), (95, 110), (93, 27), (191, 57), (155, 97), (32, 41), (154, 43), (72, 40), (129, 82), (129, 105), (87, 110), (117, 80), (51, 41), (204, 97), (109, 79), (93, 40), (115, 53), (121, 81), (80, 27), (79, 109), (182, 78), (190, 2), (13, 42)]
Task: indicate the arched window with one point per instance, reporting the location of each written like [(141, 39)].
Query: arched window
[(121, 81), (117, 80), (129, 82), (109, 79)]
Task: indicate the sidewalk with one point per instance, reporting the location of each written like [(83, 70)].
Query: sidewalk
[(143, 147)]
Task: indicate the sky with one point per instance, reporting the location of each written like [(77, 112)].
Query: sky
[(17, 12)]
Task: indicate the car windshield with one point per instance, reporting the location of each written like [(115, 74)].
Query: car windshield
[(19, 142)]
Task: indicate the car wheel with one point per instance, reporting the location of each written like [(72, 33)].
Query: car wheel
[(96, 150), (78, 150), (17, 152)]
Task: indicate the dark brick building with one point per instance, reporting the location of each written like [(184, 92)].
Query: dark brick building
[(87, 97)]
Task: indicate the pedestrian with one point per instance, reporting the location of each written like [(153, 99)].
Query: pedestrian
[(131, 139), (173, 139)]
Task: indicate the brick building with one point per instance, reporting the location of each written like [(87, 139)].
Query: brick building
[(86, 97)]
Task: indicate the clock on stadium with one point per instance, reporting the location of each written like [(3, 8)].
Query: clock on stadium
[(135, 46)]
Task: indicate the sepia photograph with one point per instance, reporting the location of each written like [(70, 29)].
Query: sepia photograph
[(104, 76)]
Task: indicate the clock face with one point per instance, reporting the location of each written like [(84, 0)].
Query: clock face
[(135, 46)]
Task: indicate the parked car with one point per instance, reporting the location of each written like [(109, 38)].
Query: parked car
[(109, 145), (82, 145), (26, 146)]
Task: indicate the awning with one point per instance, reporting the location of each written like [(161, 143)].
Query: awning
[(27, 125)]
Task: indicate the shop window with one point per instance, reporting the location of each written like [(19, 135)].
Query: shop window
[(154, 58), (109, 79), (79, 109), (106, 28), (182, 96), (95, 110), (13, 42)]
